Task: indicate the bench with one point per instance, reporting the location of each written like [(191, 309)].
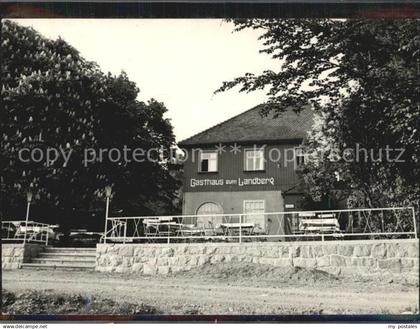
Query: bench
[(310, 223), (190, 230)]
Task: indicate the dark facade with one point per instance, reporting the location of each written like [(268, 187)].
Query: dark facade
[(249, 163), (282, 174)]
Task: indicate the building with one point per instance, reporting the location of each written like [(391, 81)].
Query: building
[(246, 164)]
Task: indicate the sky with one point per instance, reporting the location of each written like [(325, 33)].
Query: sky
[(180, 62)]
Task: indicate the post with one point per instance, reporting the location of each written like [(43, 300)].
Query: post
[(106, 218), (240, 228), (125, 230), (414, 222), (26, 221), (28, 205), (108, 191), (382, 221), (350, 221), (47, 232)]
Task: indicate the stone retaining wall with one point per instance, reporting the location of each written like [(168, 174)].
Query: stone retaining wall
[(337, 257), (14, 254)]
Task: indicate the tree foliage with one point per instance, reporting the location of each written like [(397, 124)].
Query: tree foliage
[(362, 78), (52, 98)]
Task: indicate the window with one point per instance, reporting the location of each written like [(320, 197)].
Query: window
[(254, 210), (208, 162), (254, 160), (299, 157)]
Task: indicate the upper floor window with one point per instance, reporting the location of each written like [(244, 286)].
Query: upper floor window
[(254, 160), (299, 156), (208, 161)]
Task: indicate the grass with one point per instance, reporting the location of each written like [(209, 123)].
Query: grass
[(35, 302)]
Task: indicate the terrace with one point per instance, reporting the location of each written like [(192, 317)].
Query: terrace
[(346, 224), (27, 231)]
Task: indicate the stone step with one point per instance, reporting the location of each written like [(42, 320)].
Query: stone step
[(66, 255), (64, 258), (70, 250), (59, 266), (62, 261)]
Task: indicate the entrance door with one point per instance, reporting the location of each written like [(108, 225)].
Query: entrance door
[(254, 210), (209, 222)]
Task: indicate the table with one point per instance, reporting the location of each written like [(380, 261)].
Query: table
[(232, 228), (156, 227)]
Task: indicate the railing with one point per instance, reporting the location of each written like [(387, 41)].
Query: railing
[(372, 223), (22, 231)]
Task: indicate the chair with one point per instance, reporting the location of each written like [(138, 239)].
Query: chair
[(151, 228)]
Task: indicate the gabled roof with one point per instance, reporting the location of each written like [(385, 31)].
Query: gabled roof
[(252, 126)]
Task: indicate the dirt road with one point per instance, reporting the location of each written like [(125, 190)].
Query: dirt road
[(200, 293)]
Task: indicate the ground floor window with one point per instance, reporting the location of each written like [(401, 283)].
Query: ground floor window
[(209, 208), (254, 210)]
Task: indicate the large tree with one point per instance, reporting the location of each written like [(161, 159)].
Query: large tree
[(52, 98), (362, 78)]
